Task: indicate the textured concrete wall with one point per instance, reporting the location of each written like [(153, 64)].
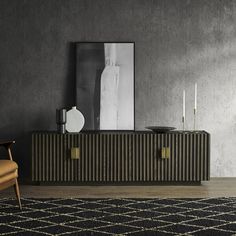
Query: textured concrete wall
[(178, 43)]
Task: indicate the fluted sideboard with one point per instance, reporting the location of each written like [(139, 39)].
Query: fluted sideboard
[(121, 157)]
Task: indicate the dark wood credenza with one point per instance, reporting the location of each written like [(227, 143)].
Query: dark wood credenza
[(121, 157)]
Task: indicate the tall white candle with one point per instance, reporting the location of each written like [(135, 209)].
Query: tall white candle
[(195, 97), (184, 103)]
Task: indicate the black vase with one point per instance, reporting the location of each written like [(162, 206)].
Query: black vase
[(61, 120), (61, 128)]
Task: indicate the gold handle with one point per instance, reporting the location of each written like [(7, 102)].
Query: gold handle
[(165, 152), (75, 153)]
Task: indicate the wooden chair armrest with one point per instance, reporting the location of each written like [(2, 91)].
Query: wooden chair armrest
[(6, 143)]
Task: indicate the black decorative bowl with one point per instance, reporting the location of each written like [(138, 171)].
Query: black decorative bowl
[(160, 129)]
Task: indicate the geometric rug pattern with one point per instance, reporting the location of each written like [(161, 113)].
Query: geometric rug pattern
[(76, 216)]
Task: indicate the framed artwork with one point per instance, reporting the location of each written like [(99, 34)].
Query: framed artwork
[(105, 84)]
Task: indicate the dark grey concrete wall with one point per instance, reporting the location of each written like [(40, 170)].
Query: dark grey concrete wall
[(178, 43)]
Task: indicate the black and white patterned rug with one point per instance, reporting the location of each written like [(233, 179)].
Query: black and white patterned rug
[(211, 216)]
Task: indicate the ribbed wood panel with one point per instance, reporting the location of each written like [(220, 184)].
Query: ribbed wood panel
[(121, 157)]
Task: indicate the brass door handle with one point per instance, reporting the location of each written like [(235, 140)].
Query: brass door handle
[(75, 153), (165, 152)]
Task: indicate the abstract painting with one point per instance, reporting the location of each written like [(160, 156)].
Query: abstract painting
[(105, 85)]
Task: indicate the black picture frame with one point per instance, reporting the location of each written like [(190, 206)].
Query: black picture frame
[(81, 102)]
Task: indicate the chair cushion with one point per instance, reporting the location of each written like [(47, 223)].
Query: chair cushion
[(8, 177), (7, 167)]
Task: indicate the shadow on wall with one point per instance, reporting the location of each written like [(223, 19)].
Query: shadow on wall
[(70, 82), (20, 125)]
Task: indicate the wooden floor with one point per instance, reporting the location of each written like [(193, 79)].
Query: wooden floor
[(216, 187)]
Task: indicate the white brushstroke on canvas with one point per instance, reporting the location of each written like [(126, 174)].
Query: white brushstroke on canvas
[(125, 60), (110, 54), (109, 90), (117, 85)]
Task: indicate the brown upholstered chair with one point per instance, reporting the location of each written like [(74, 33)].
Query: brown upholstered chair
[(9, 171)]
